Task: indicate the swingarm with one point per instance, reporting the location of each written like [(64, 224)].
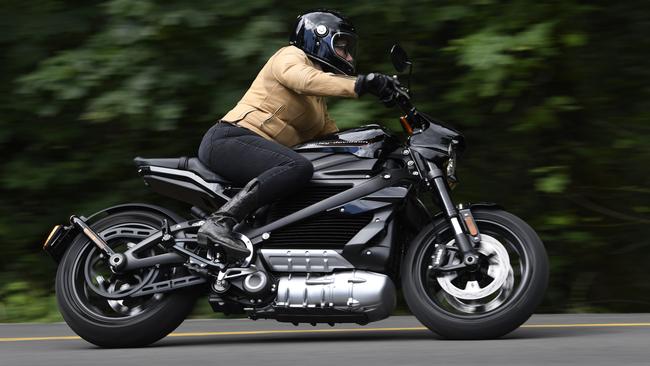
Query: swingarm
[(130, 261)]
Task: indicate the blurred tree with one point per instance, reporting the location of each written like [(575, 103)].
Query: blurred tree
[(551, 95)]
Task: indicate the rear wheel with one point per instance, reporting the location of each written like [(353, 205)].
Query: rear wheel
[(493, 300), (95, 302)]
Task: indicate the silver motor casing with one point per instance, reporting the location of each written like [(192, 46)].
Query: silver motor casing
[(352, 291)]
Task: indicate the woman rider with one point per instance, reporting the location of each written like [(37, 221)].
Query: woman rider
[(283, 107)]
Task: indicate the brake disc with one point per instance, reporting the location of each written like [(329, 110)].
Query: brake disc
[(499, 270)]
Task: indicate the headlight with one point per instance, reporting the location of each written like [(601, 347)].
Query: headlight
[(452, 180)]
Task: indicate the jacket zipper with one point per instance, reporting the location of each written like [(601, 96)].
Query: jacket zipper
[(274, 114)]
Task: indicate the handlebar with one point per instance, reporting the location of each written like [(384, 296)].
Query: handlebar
[(397, 94), (402, 98)]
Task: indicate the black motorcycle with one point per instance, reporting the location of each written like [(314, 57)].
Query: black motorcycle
[(332, 253)]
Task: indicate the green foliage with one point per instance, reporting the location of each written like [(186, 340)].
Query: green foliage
[(552, 97), (21, 301), (554, 179)]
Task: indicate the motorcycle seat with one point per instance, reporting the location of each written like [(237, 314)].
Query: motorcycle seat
[(191, 164)]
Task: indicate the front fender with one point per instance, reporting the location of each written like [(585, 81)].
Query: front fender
[(61, 236)]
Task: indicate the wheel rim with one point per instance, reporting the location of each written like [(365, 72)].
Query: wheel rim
[(502, 274), (96, 286)]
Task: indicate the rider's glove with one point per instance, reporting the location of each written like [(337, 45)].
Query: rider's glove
[(376, 84)]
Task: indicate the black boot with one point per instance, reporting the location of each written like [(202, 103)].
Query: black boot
[(217, 228)]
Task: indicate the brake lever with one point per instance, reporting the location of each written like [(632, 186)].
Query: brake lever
[(398, 90)]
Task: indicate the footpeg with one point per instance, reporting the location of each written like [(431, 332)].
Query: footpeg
[(167, 239)]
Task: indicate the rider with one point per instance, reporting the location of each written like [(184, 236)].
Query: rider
[(283, 107)]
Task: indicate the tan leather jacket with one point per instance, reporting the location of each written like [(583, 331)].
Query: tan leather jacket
[(286, 102)]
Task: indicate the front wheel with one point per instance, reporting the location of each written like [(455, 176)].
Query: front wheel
[(95, 302), (489, 301)]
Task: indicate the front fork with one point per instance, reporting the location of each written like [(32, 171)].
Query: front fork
[(465, 230)]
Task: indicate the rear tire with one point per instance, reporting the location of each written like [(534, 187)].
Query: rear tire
[(116, 323), (479, 322)]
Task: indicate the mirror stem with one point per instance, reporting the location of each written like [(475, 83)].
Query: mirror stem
[(409, 80)]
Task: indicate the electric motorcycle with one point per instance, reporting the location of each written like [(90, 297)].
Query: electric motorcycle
[(335, 252)]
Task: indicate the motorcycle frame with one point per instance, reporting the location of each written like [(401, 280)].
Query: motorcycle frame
[(129, 260)]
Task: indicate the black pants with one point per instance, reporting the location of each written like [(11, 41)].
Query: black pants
[(239, 155)]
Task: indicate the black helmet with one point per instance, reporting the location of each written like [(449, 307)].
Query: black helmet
[(327, 37)]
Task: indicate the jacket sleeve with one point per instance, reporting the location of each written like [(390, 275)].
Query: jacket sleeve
[(292, 69)]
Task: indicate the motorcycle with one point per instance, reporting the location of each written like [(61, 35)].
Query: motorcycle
[(336, 252)]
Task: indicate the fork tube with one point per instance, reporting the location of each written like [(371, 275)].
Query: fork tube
[(435, 174)]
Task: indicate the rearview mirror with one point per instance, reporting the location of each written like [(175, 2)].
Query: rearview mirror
[(399, 57)]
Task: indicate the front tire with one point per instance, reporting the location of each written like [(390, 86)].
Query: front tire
[(472, 309), (82, 277)]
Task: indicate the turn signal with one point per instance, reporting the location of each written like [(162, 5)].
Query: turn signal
[(54, 230), (471, 225)]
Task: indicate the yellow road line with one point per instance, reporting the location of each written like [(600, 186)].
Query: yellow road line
[(586, 325), (57, 338), (334, 330), (294, 331)]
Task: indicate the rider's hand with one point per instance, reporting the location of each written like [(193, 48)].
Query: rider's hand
[(376, 84)]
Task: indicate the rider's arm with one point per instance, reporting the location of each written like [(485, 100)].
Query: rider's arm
[(292, 68)]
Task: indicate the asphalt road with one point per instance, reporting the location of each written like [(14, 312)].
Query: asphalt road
[(401, 340)]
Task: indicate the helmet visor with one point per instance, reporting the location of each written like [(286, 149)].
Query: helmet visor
[(345, 47)]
